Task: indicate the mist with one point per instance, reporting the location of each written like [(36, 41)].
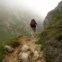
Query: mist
[(15, 15), (39, 7)]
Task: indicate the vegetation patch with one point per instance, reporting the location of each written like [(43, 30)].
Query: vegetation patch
[(1, 52), (14, 42)]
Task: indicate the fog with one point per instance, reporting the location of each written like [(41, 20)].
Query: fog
[(39, 7), (15, 16)]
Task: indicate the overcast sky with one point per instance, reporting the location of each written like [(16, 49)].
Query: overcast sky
[(40, 7)]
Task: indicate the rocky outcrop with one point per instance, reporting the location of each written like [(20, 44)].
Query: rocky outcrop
[(52, 14), (53, 35), (29, 55)]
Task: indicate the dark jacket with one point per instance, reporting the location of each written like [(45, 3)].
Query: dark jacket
[(33, 23)]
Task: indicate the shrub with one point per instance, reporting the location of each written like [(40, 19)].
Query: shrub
[(14, 42)]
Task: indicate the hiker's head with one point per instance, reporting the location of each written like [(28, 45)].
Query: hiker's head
[(33, 20)]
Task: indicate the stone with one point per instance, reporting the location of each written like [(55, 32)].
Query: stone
[(8, 48)]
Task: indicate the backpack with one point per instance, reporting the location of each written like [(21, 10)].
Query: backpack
[(33, 23)]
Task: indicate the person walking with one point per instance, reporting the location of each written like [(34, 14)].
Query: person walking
[(33, 25)]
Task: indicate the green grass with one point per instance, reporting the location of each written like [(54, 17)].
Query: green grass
[(42, 42), (13, 43), (1, 52)]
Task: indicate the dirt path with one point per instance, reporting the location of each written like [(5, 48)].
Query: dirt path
[(24, 40)]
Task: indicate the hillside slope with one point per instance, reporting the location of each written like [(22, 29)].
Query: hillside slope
[(51, 37)]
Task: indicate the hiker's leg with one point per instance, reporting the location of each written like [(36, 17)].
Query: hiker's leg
[(31, 31), (34, 31)]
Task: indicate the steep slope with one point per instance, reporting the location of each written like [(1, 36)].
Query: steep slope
[(55, 14), (51, 37)]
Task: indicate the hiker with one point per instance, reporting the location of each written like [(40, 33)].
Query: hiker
[(33, 26)]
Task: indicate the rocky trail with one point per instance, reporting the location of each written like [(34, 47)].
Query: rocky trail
[(28, 51)]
